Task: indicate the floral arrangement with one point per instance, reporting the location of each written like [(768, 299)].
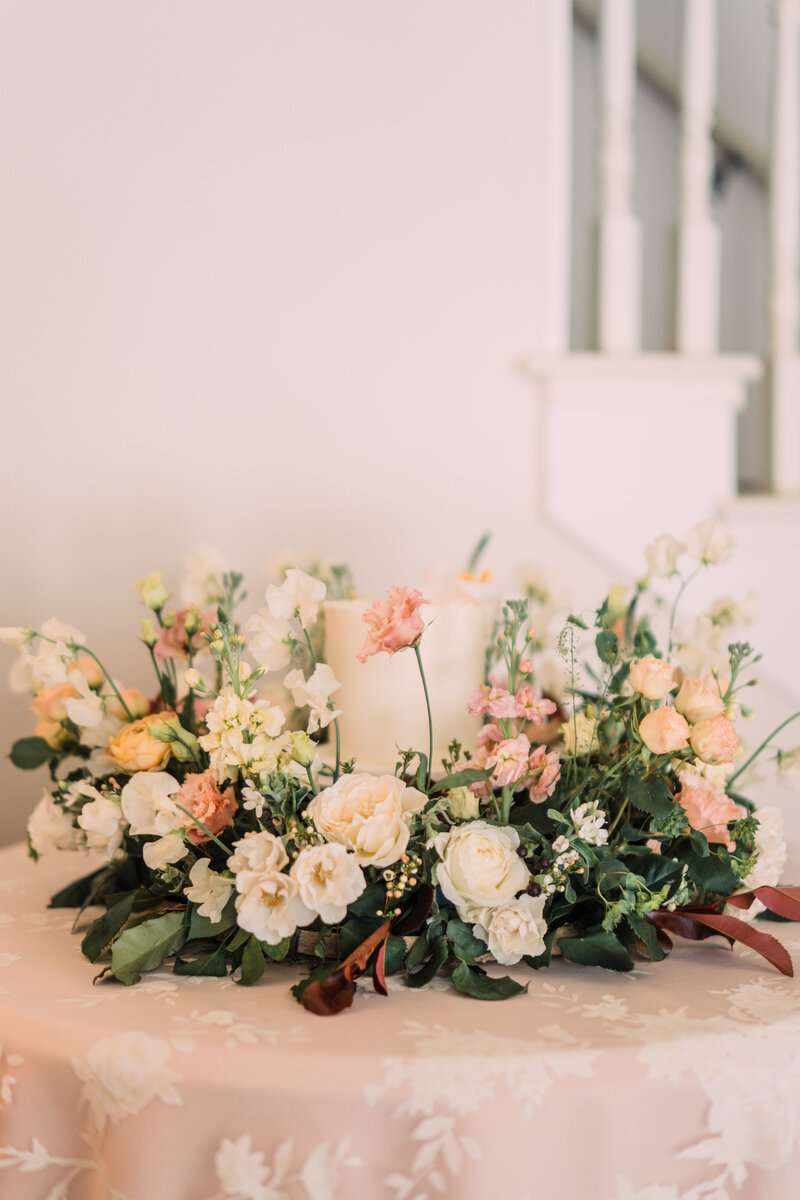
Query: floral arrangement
[(602, 825)]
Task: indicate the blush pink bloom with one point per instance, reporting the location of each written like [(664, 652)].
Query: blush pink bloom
[(509, 760), (535, 709), (489, 733), (526, 666), (708, 808), (651, 677), (699, 699), (494, 700), (544, 771), (204, 800), (715, 740), (174, 642), (664, 731), (393, 624)]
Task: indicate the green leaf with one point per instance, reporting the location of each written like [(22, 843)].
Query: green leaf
[(253, 963), (713, 872), (474, 982), (596, 949), (439, 955), (619, 678), (74, 894), (577, 621), (651, 796), (144, 947), (465, 944), (215, 963), (646, 933), (102, 932), (644, 641), (28, 753), (543, 959), (395, 955), (202, 927), (461, 779), (369, 903), (607, 645), (278, 952)]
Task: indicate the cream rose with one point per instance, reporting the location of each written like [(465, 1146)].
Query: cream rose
[(255, 856), (699, 699), (514, 929), (369, 815), (651, 677), (479, 866), (272, 908), (50, 828), (714, 740), (135, 749), (664, 731), (328, 879)]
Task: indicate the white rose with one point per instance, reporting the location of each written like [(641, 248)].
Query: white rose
[(709, 542), (208, 890), (328, 879), (272, 908), (368, 814), (102, 820), (662, 555), (50, 828), (256, 856), (121, 1075), (479, 865), (514, 929), (147, 804)]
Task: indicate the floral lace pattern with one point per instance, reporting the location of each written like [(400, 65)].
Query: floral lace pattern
[(679, 1081)]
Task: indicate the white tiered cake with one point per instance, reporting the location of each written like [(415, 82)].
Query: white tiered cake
[(382, 702)]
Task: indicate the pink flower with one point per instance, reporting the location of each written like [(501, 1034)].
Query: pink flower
[(699, 699), (526, 666), (651, 677), (494, 700), (544, 771), (664, 731), (490, 732), (174, 642), (714, 740), (535, 709), (204, 800), (509, 760), (708, 808), (393, 624)]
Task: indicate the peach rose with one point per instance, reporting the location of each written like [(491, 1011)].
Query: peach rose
[(708, 808), (664, 731), (137, 702), (393, 624), (49, 705), (699, 699), (201, 796), (651, 677), (135, 749), (715, 740)]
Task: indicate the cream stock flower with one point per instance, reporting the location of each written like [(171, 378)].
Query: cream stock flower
[(580, 734), (514, 930), (479, 866), (662, 555), (314, 693), (208, 890), (368, 814), (299, 596), (651, 677), (328, 878), (272, 909), (699, 698)]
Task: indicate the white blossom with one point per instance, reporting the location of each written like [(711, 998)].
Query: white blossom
[(590, 824), (243, 735), (209, 890), (86, 709), (329, 879), (771, 850), (314, 692), (662, 555), (300, 596), (13, 635), (147, 803), (256, 856), (50, 828), (271, 908), (514, 929), (164, 850), (709, 542), (102, 820), (267, 640), (789, 767)]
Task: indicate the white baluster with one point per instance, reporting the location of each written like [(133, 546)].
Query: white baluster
[(551, 217), (698, 235), (620, 253), (784, 303)]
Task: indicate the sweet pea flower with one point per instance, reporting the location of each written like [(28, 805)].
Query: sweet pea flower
[(662, 555), (393, 624), (710, 543), (314, 693), (299, 596)]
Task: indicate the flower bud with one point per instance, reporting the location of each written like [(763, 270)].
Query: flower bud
[(463, 804), (152, 591), (149, 636), (193, 621), (192, 678), (304, 751)]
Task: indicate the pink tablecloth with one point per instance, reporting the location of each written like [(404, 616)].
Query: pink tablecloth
[(680, 1081)]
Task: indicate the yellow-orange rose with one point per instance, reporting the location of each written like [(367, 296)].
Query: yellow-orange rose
[(135, 749), (135, 699)]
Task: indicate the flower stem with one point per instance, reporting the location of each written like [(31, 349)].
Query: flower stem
[(76, 649), (430, 719), (763, 746), (311, 779), (205, 830)]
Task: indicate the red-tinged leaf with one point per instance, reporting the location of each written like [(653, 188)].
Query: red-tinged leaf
[(379, 971), (683, 924), (763, 943), (741, 899), (785, 901), (411, 921), (326, 997)]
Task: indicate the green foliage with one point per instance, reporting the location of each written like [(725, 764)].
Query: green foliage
[(607, 645), (713, 872), (253, 963), (463, 941), (28, 753), (102, 932), (473, 981), (202, 927), (215, 963), (649, 795), (598, 948), (144, 947)]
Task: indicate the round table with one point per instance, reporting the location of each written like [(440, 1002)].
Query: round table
[(679, 1081)]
